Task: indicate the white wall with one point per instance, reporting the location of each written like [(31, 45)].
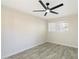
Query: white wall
[(69, 38), (21, 31)]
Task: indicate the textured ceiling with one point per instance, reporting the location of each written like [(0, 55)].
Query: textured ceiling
[(27, 6)]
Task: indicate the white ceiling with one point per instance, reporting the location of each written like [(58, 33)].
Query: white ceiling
[(27, 6)]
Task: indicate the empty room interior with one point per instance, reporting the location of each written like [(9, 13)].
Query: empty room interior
[(39, 29)]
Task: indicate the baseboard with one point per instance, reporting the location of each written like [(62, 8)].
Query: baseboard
[(14, 53), (64, 44), (20, 51)]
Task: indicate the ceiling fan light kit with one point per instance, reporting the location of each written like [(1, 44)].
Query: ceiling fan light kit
[(47, 9)]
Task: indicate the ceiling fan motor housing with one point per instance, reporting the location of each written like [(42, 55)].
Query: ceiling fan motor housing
[(47, 3)]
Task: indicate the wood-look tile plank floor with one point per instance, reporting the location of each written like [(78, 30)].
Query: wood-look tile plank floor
[(48, 51)]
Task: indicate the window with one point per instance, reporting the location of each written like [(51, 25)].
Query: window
[(58, 27)]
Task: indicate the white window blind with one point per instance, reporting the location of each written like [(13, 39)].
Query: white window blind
[(58, 27)]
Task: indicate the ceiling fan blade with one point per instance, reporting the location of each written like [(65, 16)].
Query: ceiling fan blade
[(42, 4), (57, 6), (45, 14), (54, 12), (38, 10)]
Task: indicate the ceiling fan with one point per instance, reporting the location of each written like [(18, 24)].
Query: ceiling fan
[(47, 9)]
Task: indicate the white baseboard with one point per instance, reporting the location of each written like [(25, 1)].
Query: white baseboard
[(14, 53), (64, 44), (20, 51)]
